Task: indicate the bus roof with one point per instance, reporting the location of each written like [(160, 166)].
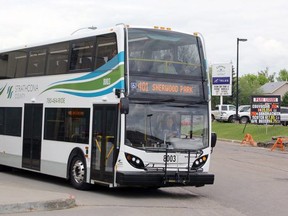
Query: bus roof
[(79, 35), (85, 35)]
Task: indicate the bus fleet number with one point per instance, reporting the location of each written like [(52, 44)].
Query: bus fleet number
[(169, 158)]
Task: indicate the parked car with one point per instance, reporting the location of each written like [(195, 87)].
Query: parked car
[(244, 114), (244, 108), (226, 113), (284, 116)]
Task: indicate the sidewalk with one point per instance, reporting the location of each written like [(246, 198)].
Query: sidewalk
[(16, 200)]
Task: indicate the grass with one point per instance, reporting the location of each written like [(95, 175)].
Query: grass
[(260, 133)]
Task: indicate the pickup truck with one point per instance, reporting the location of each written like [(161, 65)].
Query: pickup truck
[(226, 113)]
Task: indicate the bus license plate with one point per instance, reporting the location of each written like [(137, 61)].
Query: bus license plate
[(170, 158)]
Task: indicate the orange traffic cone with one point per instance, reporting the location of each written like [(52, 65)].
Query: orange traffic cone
[(278, 144), (248, 139)]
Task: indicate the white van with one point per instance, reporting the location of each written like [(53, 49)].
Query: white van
[(284, 116)]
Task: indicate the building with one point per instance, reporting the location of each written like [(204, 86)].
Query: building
[(275, 88)]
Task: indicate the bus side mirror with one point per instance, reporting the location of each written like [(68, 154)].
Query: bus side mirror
[(213, 139), (124, 105)]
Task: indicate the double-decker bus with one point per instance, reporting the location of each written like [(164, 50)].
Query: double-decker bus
[(123, 106)]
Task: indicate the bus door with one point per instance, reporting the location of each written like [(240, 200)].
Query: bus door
[(105, 118), (32, 134)]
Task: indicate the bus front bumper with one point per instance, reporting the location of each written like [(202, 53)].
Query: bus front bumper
[(160, 179)]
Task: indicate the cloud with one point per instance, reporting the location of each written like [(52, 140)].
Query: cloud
[(271, 47), (221, 22)]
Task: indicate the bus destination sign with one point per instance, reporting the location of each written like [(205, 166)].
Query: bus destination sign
[(165, 88)]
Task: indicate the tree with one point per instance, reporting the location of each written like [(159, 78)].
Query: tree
[(283, 75), (249, 84), (264, 77), (284, 101)]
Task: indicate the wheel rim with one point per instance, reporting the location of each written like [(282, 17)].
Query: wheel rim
[(244, 120), (78, 171)]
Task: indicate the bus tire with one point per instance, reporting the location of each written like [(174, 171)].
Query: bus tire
[(78, 173)]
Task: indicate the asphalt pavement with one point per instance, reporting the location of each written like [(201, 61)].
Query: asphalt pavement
[(19, 199)]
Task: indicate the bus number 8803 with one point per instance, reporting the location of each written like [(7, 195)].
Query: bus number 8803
[(169, 158)]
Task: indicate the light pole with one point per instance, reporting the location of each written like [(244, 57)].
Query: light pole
[(237, 77), (91, 28)]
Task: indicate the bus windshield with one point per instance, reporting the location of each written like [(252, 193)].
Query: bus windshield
[(157, 127), (163, 52)]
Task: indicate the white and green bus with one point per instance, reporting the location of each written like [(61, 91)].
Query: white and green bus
[(122, 106)]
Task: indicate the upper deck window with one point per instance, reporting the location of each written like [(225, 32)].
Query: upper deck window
[(163, 52), (58, 58), (36, 64), (3, 65), (106, 49), (17, 64), (81, 55)]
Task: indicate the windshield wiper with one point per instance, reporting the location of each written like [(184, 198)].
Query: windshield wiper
[(168, 99)]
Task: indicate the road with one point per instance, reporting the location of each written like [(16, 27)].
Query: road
[(248, 181)]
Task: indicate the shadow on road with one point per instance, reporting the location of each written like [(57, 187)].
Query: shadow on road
[(128, 192)]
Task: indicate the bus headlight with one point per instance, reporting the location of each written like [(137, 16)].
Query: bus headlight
[(134, 161), (199, 162)]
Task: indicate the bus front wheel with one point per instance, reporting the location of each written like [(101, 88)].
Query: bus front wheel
[(78, 173)]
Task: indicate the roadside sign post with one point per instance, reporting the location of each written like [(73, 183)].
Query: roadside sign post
[(265, 109), (222, 80)]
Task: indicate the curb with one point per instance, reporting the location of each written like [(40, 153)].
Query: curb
[(229, 140), (266, 145), (49, 205)]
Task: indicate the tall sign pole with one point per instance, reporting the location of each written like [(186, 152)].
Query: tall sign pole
[(237, 76)]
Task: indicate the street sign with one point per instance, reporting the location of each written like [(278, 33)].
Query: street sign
[(222, 79), (265, 109)]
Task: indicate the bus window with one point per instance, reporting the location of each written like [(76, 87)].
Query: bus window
[(186, 126), (3, 65), (148, 48), (1, 120), (81, 55), (36, 63), (67, 124), (10, 121), (106, 49), (13, 117), (17, 64), (198, 125), (57, 58)]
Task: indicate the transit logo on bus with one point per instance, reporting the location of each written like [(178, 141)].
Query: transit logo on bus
[(2, 89), (10, 92)]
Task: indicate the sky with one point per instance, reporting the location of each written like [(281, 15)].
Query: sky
[(263, 23)]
